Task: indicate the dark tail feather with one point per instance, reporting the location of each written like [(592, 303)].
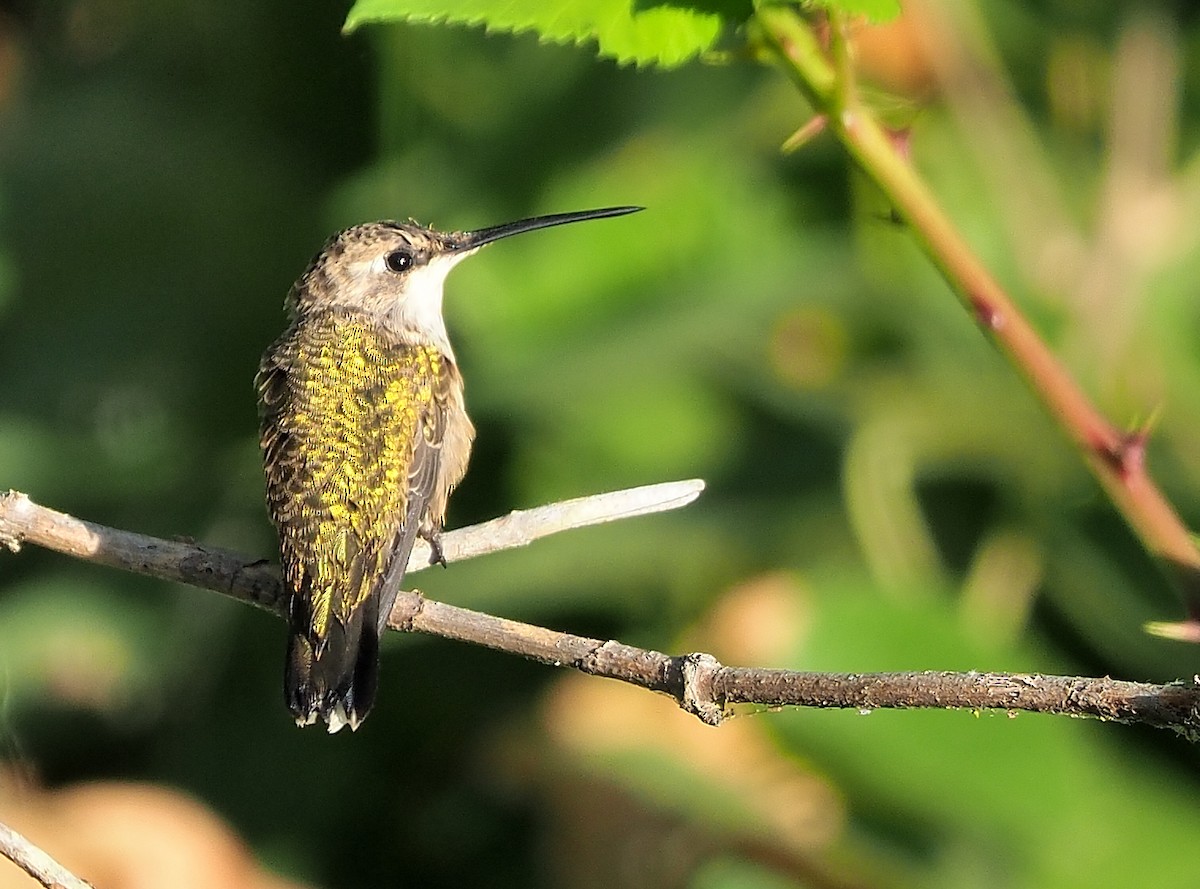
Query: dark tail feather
[(336, 685)]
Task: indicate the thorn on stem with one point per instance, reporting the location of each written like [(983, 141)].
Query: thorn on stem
[(1178, 631), (823, 31), (1127, 456), (805, 134), (1133, 451), (901, 139), (986, 312)]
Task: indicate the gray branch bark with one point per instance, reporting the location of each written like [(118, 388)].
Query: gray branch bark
[(697, 681)]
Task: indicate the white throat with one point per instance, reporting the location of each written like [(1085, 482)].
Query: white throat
[(419, 308)]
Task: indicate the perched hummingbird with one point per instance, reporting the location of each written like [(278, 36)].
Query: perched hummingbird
[(364, 435)]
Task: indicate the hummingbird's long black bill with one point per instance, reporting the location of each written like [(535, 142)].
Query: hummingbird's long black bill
[(472, 240)]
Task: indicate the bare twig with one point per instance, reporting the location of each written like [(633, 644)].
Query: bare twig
[(1175, 705), (257, 581), (37, 863), (697, 681)]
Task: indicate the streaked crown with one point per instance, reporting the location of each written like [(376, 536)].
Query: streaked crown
[(395, 270)]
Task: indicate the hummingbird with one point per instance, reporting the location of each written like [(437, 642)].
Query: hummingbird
[(364, 434)]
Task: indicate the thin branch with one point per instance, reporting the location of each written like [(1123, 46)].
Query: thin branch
[(1116, 457), (258, 582), (37, 863), (697, 681), (1175, 705)]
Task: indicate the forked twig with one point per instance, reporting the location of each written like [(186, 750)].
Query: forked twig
[(697, 681)]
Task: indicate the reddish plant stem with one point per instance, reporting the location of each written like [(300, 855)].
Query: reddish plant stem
[(1115, 457)]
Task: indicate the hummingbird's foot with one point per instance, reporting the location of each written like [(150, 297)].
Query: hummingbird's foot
[(436, 556)]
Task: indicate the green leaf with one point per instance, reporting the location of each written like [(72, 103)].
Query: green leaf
[(876, 10), (637, 31)]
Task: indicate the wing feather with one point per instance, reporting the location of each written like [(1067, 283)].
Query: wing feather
[(351, 429)]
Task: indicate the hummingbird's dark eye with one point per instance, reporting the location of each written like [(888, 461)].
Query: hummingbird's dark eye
[(399, 260)]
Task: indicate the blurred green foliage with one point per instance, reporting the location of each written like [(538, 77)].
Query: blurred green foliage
[(880, 482)]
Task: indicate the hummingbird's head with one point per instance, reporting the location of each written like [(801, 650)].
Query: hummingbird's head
[(392, 270), (395, 270)]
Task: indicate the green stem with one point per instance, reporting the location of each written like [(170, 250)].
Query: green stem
[(1115, 457), (845, 90)]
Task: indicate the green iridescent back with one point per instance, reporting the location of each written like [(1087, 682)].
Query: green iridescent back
[(350, 424)]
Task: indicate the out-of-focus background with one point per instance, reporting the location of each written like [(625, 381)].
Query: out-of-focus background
[(883, 492)]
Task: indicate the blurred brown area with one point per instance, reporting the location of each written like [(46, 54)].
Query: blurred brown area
[(126, 835)]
